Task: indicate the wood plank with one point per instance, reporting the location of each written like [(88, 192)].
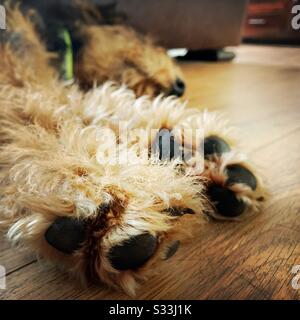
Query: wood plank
[(12, 259)]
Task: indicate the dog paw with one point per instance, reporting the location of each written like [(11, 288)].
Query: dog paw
[(116, 247), (234, 188)]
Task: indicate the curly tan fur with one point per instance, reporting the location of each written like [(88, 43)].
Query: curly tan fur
[(49, 169), (51, 138), (107, 52)]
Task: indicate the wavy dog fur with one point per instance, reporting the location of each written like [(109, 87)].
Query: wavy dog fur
[(105, 52), (53, 138), (49, 168)]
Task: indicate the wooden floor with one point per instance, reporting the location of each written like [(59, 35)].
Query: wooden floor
[(260, 93)]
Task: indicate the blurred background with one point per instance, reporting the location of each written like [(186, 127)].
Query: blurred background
[(210, 25), (199, 25)]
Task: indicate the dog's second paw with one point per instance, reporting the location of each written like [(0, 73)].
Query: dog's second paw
[(234, 189)]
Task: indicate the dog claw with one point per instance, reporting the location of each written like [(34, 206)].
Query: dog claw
[(172, 249)]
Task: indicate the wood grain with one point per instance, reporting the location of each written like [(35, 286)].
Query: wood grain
[(247, 260)]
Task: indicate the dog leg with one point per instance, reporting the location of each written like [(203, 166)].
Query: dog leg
[(105, 222), (120, 54)]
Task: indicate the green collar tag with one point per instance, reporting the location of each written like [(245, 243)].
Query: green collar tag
[(67, 68)]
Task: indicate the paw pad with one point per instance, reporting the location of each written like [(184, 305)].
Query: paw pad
[(215, 145), (134, 252), (225, 201), (238, 174), (66, 234)]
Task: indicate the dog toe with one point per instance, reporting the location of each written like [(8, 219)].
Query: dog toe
[(225, 201), (215, 145), (66, 234), (134, 252), (239, 174)]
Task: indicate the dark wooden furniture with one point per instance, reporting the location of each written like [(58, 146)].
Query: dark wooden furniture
[(271, 21)]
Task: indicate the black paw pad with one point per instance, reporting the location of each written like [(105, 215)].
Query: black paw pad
[(238, 174), (66, 234), (225, 201), (172, 249), (134, 252), (215, 145)]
